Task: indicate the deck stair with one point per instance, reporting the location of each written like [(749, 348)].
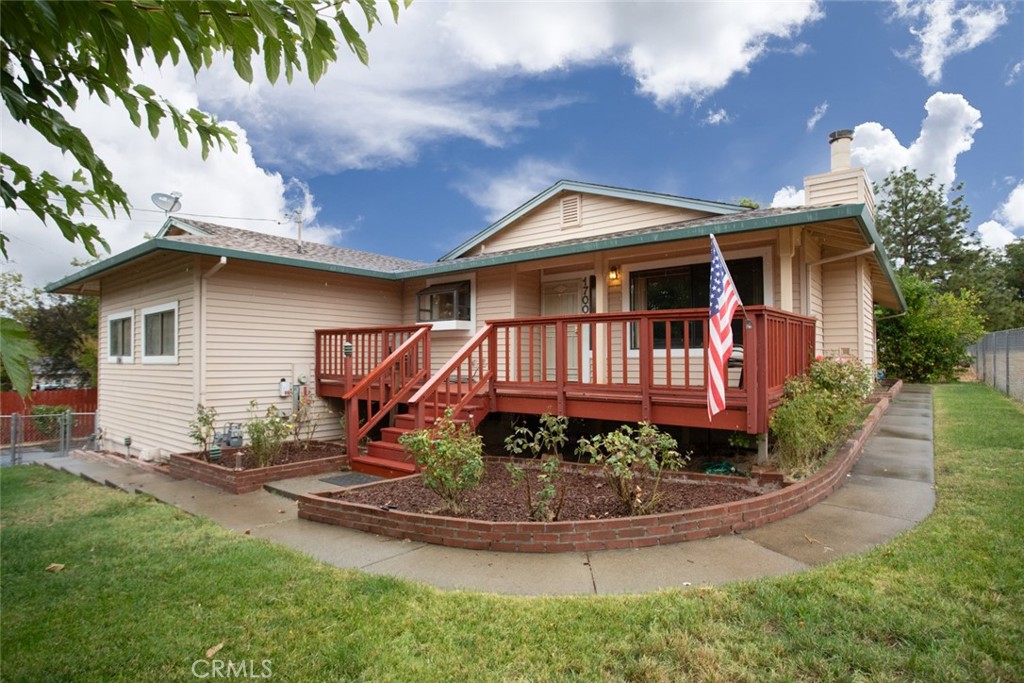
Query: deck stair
[(386, 458)]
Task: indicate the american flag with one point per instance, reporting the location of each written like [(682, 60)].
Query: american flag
[(724, 301)]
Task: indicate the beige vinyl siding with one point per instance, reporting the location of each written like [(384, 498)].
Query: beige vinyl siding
[(149, 402), (848, 186), (841, 304), (599, 216), (260, 324), (868, 354), (527, 294), (812, 252)]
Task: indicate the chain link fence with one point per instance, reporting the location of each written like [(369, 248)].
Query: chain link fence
[(999, 360), (31, 438)]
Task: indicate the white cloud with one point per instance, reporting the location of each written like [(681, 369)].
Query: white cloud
[(499, 194), (1008, 218), (947, 131), (226, 184), (995, 235), (1011, 211), (364, 118), (716, 117), (788, 196), (1013, 72), (944, 29), (819, 111)]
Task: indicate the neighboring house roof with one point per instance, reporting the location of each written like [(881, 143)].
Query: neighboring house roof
[(216, 240), (718, 208)]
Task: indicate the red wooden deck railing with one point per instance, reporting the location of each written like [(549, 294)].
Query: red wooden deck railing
[(370, 346), (390, 383), (459, 381), (631, 366)]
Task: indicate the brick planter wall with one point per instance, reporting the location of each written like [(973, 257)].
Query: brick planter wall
[(244, 481), (607, 534)]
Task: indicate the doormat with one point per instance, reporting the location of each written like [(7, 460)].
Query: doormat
[(351, 479)]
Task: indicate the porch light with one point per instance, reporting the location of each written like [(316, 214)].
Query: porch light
[(346, 349), (613, 274)]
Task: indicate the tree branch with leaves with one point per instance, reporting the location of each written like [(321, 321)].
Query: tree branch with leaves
[(53, 52)]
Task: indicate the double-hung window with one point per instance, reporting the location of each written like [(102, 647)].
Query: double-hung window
[(160, 334), (120, 344)]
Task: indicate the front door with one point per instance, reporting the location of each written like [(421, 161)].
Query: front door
[(571, 296)]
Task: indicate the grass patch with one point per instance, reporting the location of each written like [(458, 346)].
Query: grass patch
[(147, 589)]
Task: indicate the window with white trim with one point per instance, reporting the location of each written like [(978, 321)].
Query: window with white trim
[(449, 305), (160, 333), (120, 344), (685, 285)]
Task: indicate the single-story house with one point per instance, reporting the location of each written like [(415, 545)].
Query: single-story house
[(588, 301)]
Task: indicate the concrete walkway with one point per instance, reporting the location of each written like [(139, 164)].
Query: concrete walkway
[(890, 490)]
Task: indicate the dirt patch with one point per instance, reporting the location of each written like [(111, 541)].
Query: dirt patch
[(589, 496), (243, 458)]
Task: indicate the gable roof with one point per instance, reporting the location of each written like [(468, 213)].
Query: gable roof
[(717, 208)]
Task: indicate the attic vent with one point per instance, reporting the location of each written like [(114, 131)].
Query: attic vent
[(571, 206)]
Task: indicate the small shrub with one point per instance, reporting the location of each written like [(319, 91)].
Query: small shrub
[(633, 461), (546, 441), (817, 413), (266, 434), (203, 427), (47, 420), (451, 456), (305, 420)]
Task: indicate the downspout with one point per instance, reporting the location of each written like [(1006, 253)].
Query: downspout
[(201, 338)]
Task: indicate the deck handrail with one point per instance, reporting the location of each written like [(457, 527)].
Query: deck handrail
[(405, 367), (439, 390), (370, 345)]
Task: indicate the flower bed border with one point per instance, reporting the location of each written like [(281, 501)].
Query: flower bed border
[(245, 481), (602, 534)]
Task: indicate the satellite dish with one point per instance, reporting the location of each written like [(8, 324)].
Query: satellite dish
[(168, 203)]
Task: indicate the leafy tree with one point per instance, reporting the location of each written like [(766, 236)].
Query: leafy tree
[(1014, 269), (928, 343), (63, 329), (989, 275), (51, 52), (922, 230)]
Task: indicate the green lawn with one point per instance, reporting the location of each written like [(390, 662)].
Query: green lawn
[(146, 590)]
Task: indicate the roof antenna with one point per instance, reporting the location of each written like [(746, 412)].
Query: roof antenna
[(297, 215), (168, 203)]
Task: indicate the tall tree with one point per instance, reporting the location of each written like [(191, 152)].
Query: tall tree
[(923, 229)]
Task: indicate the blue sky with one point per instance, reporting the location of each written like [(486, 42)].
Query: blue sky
[(469, 109)]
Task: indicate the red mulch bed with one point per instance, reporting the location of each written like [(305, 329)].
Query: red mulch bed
[(589, 496), (290, 452)]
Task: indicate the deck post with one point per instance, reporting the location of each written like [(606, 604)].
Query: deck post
[(560, 364), (762, 448)]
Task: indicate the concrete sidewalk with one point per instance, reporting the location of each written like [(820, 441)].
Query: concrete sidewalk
[(890, 490)]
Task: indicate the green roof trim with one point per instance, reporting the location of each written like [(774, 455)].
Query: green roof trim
[(718, 208), (682, 231), (164, 244)]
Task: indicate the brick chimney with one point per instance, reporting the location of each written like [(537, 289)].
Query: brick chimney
[(843, 184)]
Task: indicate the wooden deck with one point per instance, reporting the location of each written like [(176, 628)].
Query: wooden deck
[(647, 365)]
